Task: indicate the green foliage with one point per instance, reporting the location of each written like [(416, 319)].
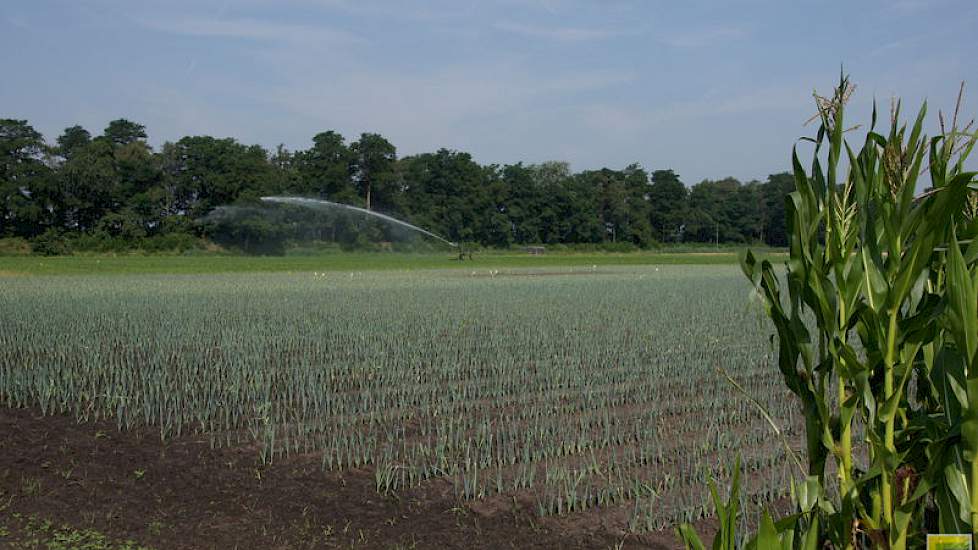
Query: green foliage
[(324, 169), (14, 246), (72, 139), (374, 159), (121, 132), (890, 280), (115, 187), (50, 243), (668, 204), (25, 181), (727, 514), (725, 210)]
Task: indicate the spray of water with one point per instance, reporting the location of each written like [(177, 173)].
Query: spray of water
[(318, 203)]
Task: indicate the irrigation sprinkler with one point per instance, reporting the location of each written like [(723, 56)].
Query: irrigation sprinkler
[(324, 204)]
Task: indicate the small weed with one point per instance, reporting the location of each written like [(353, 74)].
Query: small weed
[(42, 533), (5, 503), (155, 527), (30, 486)]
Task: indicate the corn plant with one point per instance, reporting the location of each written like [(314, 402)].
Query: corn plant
[(877, 330)]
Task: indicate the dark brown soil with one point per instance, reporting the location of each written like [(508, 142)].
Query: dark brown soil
[(183, 494)]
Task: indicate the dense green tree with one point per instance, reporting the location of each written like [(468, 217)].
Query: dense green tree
[(667, 205), (699, 226), (137, 167), (522, 203), (580, 208), (21, 147), (285, 171), (637, 228), (621, 203), (374, 159), (747, 212), (127, 225), (116, 188), (124, 132), (774, 192), (559, 219), (447, 192), (720, 200), (25, 181), (72, 139), (203, 172), (325, 169), (90, 186)]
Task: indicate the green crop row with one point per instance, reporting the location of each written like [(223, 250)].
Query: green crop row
[(576, 390)]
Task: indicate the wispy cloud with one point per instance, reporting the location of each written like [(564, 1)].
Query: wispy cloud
[(253, 29), (886, 48), (910, 7), (715, 104), (429, 11), (18, 22), (704, 36), (567, 34)]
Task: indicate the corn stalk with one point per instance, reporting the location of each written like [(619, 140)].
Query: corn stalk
[(890, 279)]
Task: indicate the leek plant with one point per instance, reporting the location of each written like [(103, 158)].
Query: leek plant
[(877, 330)]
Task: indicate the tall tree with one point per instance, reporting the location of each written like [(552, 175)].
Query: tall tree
[(446, 192), (24, 179), (748, 212), (609, 193), (667, 205), (557, 212), (72, 139), (325, 168), (721, 201), (774, 192), (374, 159), (124, 132), (638, 228), (523, 203), (581, 211), (90, 186), (203, 172)]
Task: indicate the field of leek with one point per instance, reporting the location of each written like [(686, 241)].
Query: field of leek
[(570, 390)]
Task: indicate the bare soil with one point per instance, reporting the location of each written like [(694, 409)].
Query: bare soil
[(183, 494)]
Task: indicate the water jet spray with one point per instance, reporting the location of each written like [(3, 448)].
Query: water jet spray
[(320, 203)]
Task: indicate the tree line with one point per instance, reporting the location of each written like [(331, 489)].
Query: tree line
[(114, 191)]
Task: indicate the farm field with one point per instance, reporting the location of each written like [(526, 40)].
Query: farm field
[(346, 261), (553, 405)]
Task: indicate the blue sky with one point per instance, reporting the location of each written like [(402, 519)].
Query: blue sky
[(710, 89)]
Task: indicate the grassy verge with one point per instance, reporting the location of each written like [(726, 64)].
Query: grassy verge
[(353, 261)]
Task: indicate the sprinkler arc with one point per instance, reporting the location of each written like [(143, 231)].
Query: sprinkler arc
[(320, 203)]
